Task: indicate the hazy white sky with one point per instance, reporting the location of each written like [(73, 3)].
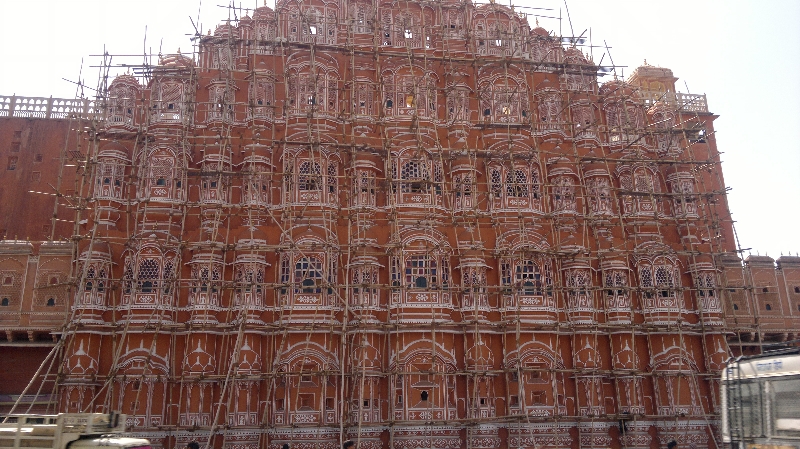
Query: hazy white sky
[(745, 55)]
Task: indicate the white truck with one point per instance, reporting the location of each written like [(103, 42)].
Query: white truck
[(67, 431)]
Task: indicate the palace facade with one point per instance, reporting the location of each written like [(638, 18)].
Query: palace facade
[(410, 224)]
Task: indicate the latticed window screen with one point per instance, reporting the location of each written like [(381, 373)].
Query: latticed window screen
[(615, 283), (332, 177), (127, 277), (683, 197), (599, 191), (529, 278), (659, 280), (706, 285), (161, 172), (563, 194), (262, 97), (517, 183), (364, 189), (414, 171), (309, 176), (458, 105), (647, 278), (285, 271), (496, 182), (421, 271), (148, 275), (308, 275)]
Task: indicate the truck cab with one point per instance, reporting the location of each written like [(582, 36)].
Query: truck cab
[(67, 431)]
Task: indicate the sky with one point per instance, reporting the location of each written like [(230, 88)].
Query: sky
[(744, 55)]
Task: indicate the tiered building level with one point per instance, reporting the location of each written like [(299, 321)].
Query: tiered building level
[(411, 224)]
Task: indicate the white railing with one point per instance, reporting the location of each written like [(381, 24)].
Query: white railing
[(40, 107), (683, 102)]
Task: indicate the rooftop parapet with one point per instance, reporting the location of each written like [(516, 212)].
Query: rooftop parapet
[(40, 107)]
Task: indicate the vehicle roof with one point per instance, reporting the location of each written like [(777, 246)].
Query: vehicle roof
[(111, 441), (780, 363)]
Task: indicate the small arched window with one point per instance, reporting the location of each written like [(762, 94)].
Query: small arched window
[(310, 176), (308, 275), (148, 275)]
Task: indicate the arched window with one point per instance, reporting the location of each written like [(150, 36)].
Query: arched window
[(168, 101), (362, 18), (262, 97), (599, 193), (527, 276), (707, 295), (517, 184), (583, 121), (663, 121), (473, 281), (332, 181), (550, 112), (515, 187), (563, 194), (221, 98), (122, 96), (659, 280), (684, 198), (410, 92), (453, 20), (110, 178), (415, 176), (421, 271), (364, 189), (250, 287), (309, 176), (625, 121), (463, 189), (206, 283), (409, 30), (319, 25), (316, 180), (256, 183), (308, 276), (504, 100), (148, 276), (458, 105), (163, 181), (364, 98), (643, 185), (215, 184), (313, 92), (364, 285), (617, 296), (578, 289)]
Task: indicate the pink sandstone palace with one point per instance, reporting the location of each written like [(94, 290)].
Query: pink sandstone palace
[(411, 224)]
